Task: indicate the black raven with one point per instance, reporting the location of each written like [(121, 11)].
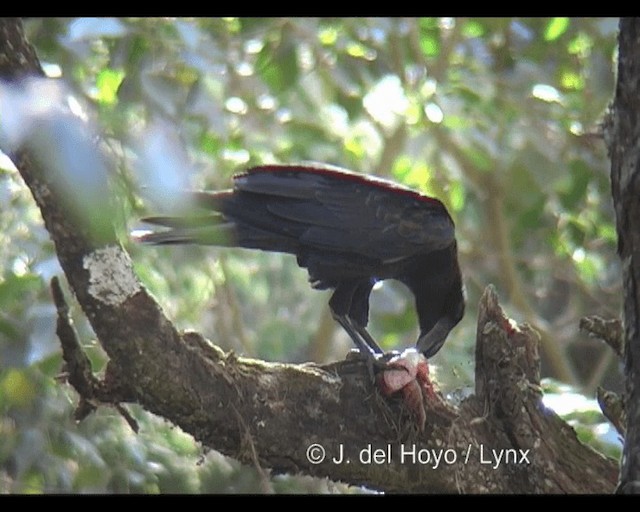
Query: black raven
[(348, 230)]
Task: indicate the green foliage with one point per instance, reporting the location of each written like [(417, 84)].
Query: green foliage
[(494, 116)]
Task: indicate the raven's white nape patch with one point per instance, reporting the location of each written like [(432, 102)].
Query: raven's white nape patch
[(111, 276)]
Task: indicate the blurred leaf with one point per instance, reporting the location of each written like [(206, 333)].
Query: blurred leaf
[(277, 64), (9, 329), (14, 287), (355, 146), (589, 266), (472, 28), (16, 389), (33, 483), (456, 196), (357, 50), (429, 45), (572, 188), (530, 217), (210, 144), (480, 159), (555, 28), (607, 231), (107, 84), (571, 80), (328, 35), (352, 103), (580, 45)]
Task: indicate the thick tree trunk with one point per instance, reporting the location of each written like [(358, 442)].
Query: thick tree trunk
[(325, 421), (622, 132)]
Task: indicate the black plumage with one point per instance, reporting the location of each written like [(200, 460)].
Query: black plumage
[(348, 230)]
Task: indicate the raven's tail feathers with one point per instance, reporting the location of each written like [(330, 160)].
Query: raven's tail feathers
[(205, 230)]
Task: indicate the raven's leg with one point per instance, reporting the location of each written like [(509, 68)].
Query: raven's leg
[(359, 341), (340, 305), (359, 312), (362, 331)]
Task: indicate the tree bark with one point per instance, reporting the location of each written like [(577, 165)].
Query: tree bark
[(622, 134), (327, 421)]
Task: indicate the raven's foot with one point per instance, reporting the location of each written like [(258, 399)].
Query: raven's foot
[(408, 373), (379, 360), (376, 363)]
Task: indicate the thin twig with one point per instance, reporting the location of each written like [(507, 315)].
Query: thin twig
[(78, 372), (247, 441)]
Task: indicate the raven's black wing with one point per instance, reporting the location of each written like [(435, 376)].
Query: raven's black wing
[(294, 207), (342, 211)]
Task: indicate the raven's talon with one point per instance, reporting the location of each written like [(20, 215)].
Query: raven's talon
[(376, 363), (355, 355), (383, 360), (379, 361)]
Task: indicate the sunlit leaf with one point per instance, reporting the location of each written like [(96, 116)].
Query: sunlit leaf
[(107, 84), (472, 28), (354, 145), (428, 36), (571, 80), (356, 49), (401, 167), (328, 35), (456, 196), (419, 176), (429, 45), (428, 23), (555, 28), (580, 45), (454, 122)]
